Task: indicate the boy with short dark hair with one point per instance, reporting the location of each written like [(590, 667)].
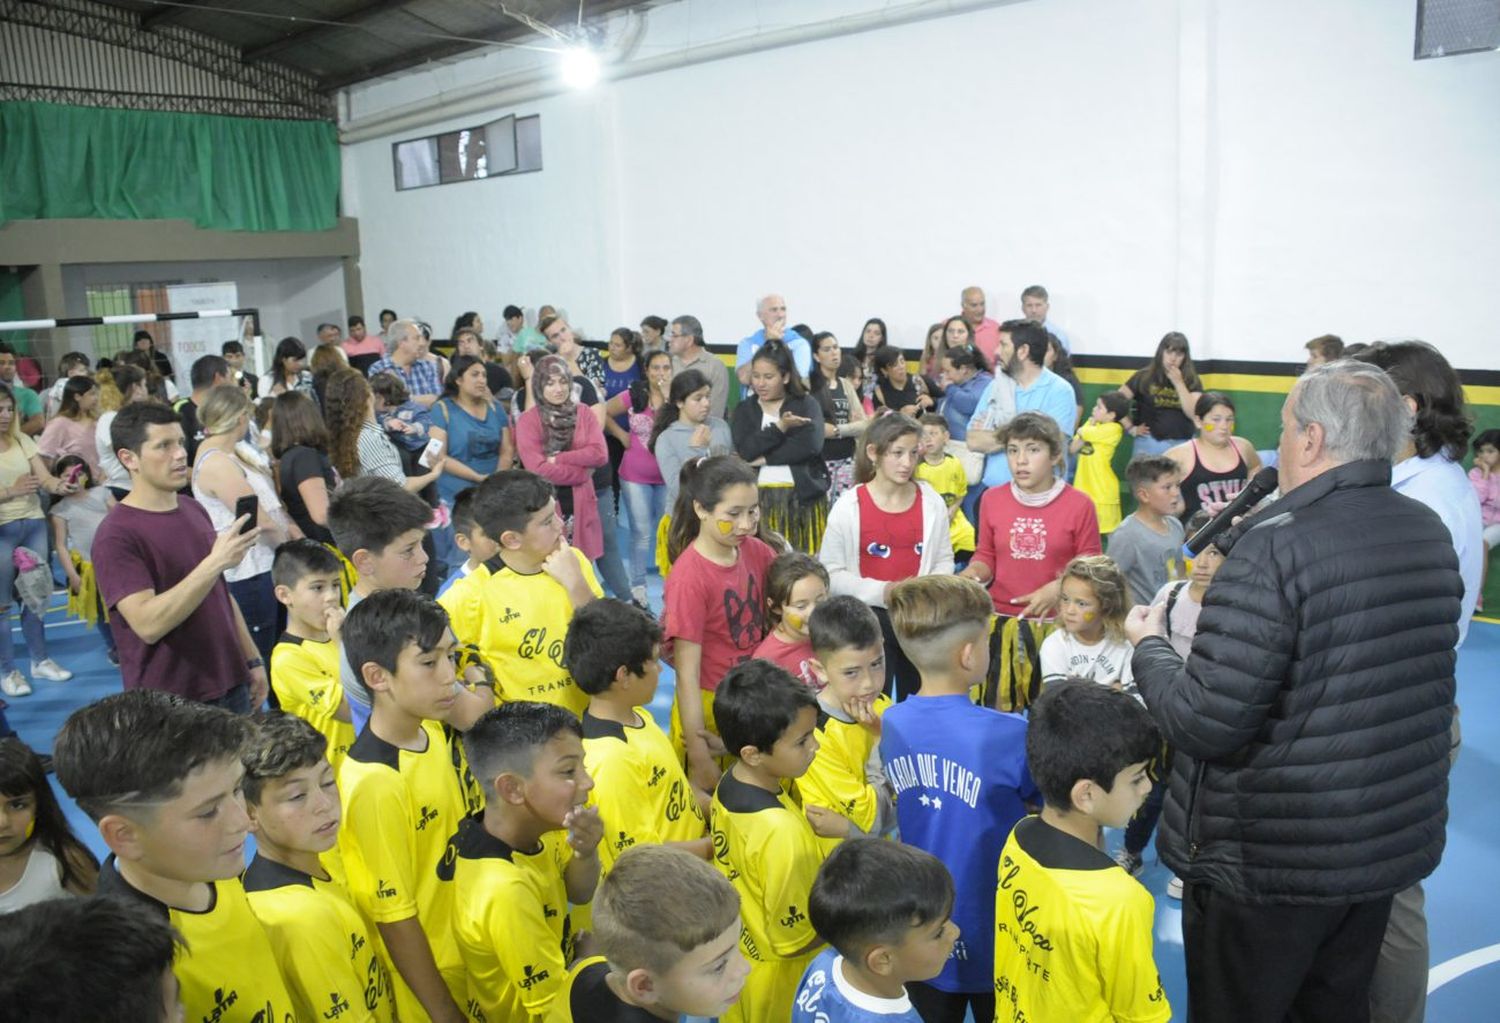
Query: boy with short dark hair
[(470, 537), (305, 660), (1088, 747), (516, 866), (518, 617), (160, 776), (322, 943), (379, 527), (946, 474), (959, 772), (640, 788), (70, 959), (845, 776), (886, 910), (234, 355), (667, 928), (762, 838), (1148, 544), (405, 786)]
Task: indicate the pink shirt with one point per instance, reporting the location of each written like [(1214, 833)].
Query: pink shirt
[(64, 436), (371, 345), (987, 338), (794, 657)]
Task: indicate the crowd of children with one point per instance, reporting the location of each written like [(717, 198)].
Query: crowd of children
[(881, 794)]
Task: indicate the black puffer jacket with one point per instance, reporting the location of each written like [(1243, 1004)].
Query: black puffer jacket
[(1311, 720)]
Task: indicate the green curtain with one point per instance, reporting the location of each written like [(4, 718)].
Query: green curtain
[(222, 173)]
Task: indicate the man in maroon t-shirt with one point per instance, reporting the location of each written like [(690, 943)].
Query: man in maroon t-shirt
[(161, 571)]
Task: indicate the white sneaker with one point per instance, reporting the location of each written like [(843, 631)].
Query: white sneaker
[(15, 684), (50, 670), (1174, 888)]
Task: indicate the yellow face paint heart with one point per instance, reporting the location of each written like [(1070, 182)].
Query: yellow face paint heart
[(794, 622), (30, 828), (1088, 616), (1208, 427), (725, 528)]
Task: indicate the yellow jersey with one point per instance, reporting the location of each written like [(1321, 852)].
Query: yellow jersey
[(227, 971), (400, 807), (765, 847), (838, 779), (640, 788), (949, 480), (326, 952), (519, 622), (1096, 473), (1072, 934), (586, 998), (305, 676), (510, 921)]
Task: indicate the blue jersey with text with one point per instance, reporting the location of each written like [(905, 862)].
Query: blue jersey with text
[(825, 996), (961, 784)]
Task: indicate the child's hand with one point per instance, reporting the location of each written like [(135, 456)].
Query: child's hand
[(75, 584), (394, 425), (863, 711), (585, 829), (333, 621), (701, 436), (827, 824), (716, 747), (702, 771), (563, 566)]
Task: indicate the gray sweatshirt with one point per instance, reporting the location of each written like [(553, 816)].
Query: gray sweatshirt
[(673, 449)]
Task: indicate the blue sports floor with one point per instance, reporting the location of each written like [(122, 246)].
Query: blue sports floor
[(1463, 897)]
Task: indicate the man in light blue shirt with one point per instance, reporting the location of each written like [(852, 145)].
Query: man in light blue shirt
[(1023, 346), (771, 311), (1034, 306)]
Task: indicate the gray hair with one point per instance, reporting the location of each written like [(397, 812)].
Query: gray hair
[(1359, 408), (398, 330), (689, 325)]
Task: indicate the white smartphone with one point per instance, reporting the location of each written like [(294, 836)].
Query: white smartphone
[(430, 453)]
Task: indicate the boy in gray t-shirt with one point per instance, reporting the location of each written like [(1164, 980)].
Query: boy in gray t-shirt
[(1148, 544)]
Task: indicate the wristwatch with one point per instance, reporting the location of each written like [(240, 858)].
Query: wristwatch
[(254, 662)]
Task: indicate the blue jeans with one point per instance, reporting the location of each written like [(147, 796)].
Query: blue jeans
[(30, 533), (645, 503), (256, 597), (1152, 446), (236, 701), (610, 567)]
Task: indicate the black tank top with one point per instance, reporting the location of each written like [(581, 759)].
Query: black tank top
[(1203, 485)]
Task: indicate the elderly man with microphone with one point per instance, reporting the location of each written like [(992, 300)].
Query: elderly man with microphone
[(1311, 720)]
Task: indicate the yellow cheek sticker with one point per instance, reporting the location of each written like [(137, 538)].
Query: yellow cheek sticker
[(1088, 616), (1208, 427), (725, 528), (30, 827), (795, 622)]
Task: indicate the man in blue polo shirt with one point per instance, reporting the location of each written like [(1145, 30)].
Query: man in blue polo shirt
[(771, 311), (1022, 347)]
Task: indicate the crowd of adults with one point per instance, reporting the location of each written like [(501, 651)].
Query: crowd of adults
[(1314, 716)]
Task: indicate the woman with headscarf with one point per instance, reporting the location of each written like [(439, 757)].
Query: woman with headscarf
[(562, 442)]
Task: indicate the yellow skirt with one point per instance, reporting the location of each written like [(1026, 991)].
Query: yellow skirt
[(800, 524), (676, 733), (663, 562), (1014, 677), (85, 604)]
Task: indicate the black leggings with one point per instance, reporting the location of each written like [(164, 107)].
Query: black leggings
[(936, 1006), (901, 678)]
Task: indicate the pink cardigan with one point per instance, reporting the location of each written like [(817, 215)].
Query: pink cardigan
[(1488, 489), (573, 468)]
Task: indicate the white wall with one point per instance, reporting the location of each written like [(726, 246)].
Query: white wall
[(1250, 173)]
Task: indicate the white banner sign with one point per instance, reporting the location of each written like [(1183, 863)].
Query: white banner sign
[(194, 338)]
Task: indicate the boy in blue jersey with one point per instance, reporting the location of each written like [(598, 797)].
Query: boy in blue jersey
[(886, 908), (959, 772)]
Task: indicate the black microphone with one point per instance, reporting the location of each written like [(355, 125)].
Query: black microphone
[(1259, 486)]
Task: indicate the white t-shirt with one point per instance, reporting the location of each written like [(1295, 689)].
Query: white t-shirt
[(1105, 662), (773, 475), (115, 475), (1182, 626)]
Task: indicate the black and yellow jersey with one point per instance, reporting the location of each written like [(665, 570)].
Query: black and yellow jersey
[(305, 676), (586, 998), (765, 847), (1073, 933), (640, 788), (519, 622), (510, 920), (327, 954), (838, 777), (227, 971), (400, 807)]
